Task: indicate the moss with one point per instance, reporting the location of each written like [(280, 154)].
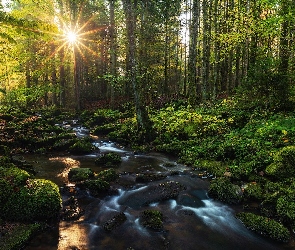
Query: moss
[(17, 238), (83, 146), (38, 200), (216, 168), (6, 190), (265, 226), (222, 189), (80, 174), (114, 222), (283, 165), (152, 219), (253, 191), (109, 159), (14, 175), (108, 175), (96, 187)]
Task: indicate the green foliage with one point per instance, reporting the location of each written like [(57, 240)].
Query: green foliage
[(82, 146), (38, 200), (285, 205), (265, 226), (15, 176), (108, 175), (100, 117), (23, 97), (266, 86), (109, 159), (283, 165), (152, 219), (253, 191), (6, 189), (80, 174), (96, 187), (19, 236), (222, 189)]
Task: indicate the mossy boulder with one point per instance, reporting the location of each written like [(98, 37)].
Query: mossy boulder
[(15, 176), (109, 159), (285, 205), (265, 226), (148, 177), (19, 236), (222, 189), (96, 187), (114, 222), (6, 189), (283, 165), (253, 191), (80, 174), (82, 146), (108, 175), (39, 199), (152, 219)]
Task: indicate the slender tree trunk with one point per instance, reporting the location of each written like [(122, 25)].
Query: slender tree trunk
[(206, 50), (53, 77), (284, 46), (192, 62), (113, 46), (62, 79), (143, 121)]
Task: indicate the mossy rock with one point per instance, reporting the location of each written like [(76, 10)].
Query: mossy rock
[(222, 189), (265, 226), (253, 191), (104, 129), (96, 187), (285, 206), (148, 177), (6, 189), (63, 144), (19, 236), (152, 219), (15, 176), (283, 165), (109, 159), (114, 222), (80, 174), (108, 175), (38, 200), (82, 147)]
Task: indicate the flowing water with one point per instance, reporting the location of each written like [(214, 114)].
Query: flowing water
[(191, 221)]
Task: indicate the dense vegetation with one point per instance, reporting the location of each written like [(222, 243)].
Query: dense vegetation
[(211, 82)]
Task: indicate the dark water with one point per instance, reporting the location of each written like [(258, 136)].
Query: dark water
[(192, 221)]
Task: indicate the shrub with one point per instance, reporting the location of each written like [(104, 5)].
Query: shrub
[(265, 226), (38, 200)]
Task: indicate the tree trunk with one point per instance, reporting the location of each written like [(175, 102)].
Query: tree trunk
[(192, 62), (143, 121)]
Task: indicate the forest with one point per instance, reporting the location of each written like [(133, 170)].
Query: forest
[(210, 82)]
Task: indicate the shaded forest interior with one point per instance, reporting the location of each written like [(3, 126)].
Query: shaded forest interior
[(146, 51)]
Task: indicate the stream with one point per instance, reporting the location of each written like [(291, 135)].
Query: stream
[(191, 221)]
